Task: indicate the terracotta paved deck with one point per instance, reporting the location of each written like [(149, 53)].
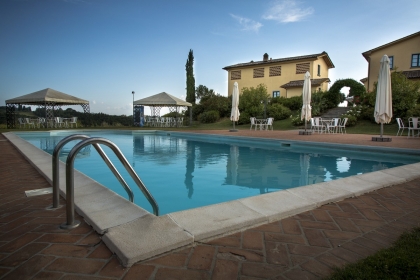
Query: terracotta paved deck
[(305, 246)]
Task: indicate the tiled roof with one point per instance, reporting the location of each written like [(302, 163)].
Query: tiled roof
[(412, 74), (366, 54), (303, 57), (299, 83)]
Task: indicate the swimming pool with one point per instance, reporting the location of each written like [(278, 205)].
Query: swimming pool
[(183, 171)]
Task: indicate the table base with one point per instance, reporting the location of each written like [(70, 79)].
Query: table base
[(382, 139)]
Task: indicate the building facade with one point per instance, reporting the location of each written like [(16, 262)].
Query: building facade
[(283, 76), (404, 55)]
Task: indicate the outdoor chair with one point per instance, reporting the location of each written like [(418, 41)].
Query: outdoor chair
[(317, 125), (413, 125), (401, 126), (21, 122), (253, 123), (29, 122), (58, 121), (41, 122), (73, 121), (269, 123), (332, 128), (342, 126)]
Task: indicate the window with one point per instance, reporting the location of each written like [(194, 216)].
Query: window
[(319, 70), (275, 71), (235, 75), (259, 73), (301, 68), (276, 93), (415, 60), (391, 62)]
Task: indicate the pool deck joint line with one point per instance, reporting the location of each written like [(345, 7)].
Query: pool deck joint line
[(127, 228)]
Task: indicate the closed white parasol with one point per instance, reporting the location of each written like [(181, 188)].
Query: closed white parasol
[(234, 115), (383, 105)]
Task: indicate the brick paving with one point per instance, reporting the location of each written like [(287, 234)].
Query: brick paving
[(305, 246)]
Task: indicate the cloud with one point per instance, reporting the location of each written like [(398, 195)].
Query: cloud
[(287, 11), (247, 24)]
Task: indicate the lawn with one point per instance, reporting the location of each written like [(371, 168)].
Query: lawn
[(401, 261)]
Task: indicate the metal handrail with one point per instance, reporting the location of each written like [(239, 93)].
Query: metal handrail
[(56, 167), (70, 177)]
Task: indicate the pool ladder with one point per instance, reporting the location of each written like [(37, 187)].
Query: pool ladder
[(95, 141)]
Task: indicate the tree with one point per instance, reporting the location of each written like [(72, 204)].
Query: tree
[(203, 93), (189, 67)]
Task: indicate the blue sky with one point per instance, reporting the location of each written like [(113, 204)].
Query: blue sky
[(102, 50)]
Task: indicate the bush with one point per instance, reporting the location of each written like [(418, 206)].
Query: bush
[(244, 118), (296, 121), (414, 112), (209, 117), (250, 102), (278, 111), (352, 120), (293, 103)]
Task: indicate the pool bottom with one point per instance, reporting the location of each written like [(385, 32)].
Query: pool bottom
[(134, 234)]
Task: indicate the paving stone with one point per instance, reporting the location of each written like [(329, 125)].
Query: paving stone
[(252, 240), (71, 265), (240, 255), (277, 254), (113, 269), (172, 260), (291, 226), (315, 237), (67, 250), (316, 268), (139, 272), (29, 268), (225, 269), (23, 254), (202, 257), (181, 274), (286, 238)]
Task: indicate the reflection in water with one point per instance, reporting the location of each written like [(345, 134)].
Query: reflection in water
[(216, 172), (48, 144), (190, 168)]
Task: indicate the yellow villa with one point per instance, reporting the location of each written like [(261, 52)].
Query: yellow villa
[(404, 55), (282, 76)]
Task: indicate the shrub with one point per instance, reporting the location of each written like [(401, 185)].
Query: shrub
[(296, 121), (278, 111), (244, 118), (414, 112), (293, 103), (209, 117), (352, 120), (250, 102)]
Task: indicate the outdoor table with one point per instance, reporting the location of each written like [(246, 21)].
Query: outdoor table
[(327, 123), (261, 123)]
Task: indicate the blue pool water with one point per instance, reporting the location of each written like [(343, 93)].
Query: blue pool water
[(183, 173)]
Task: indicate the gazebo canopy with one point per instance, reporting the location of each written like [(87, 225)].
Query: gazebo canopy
[(156, 102), (162, 99), (47, 95), (47, 98)]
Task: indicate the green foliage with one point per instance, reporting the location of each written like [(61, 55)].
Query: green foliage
[(209, 117), (189, 67), (250, 102), (296, 121), (203, 93), (352, 120), (356, 88), (401, 261), (414, 112), (405, 94), (318, 103), (278, 111), (219, 103), (293, 103)]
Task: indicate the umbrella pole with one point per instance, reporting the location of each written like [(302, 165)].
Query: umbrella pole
[(382, 129), (305, 124), (233, 124)]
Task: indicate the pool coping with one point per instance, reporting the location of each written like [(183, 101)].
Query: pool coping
[(134, 234)]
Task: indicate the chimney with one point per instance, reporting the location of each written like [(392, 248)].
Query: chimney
[(265, 57)]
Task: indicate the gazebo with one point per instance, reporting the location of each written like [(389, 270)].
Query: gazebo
[(48, 98), (157, 102)]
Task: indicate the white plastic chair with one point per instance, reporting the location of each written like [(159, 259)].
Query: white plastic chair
[(269, 123), (253, 123), (413, 125), (29, 122), (73, 121), (332, 128), (342, 126), (401, 126), (58, 121), (21, 122), (41, 122), (318, 126)]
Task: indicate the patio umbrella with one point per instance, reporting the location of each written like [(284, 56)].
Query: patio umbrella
[(383, 104), (234, 115), (306, 96)]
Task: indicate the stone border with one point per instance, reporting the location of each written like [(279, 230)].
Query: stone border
[(134, 234)]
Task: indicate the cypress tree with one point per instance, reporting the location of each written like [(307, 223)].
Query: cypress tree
[(189, 67)]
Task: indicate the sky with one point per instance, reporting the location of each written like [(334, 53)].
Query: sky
[(102, 50)]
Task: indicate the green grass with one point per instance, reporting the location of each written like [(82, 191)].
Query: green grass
[(401, 261)]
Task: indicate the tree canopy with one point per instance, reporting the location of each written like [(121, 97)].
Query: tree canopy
[(189, 67)]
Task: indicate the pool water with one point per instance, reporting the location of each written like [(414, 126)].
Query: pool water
[(184, 173)]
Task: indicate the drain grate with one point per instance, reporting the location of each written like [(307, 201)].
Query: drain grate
[(38, 192)]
